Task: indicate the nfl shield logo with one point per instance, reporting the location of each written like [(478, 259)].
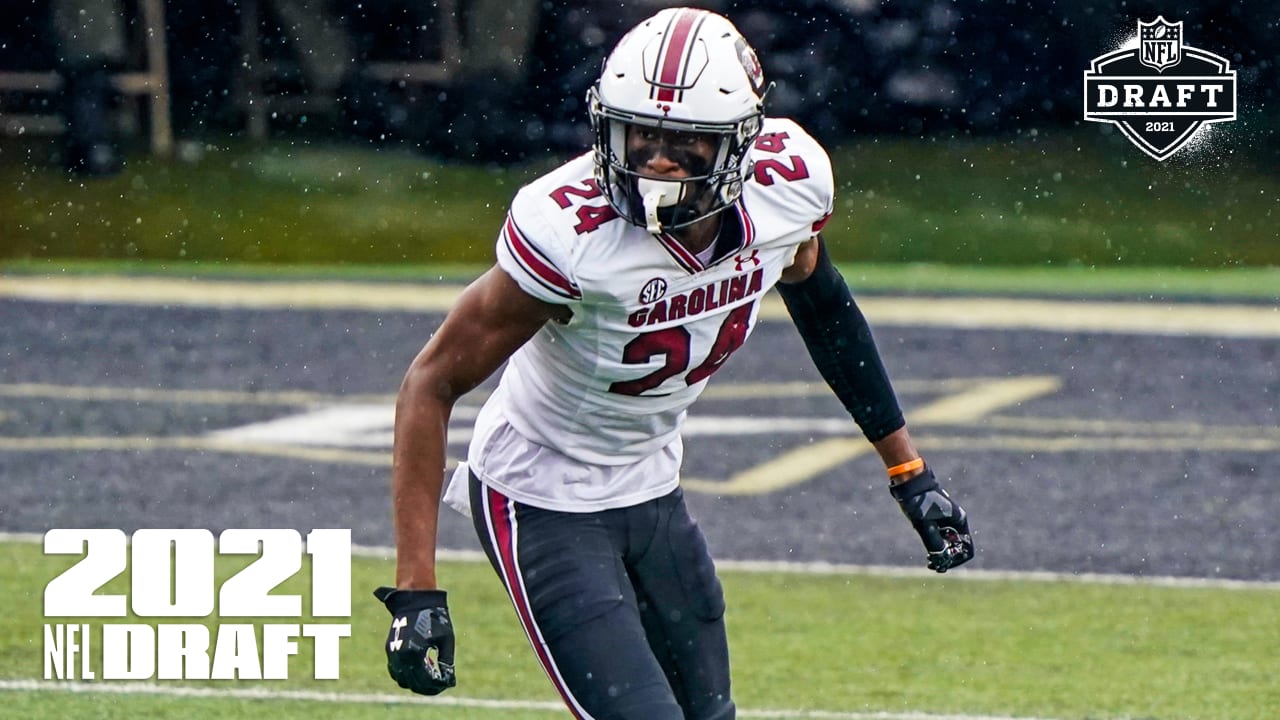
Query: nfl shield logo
[(1161, 43)]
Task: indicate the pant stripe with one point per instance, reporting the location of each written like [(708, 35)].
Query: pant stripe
[(500, 516)]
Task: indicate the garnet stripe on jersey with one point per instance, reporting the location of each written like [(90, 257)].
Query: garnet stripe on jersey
[(748, 227), (677, 48), (819, 224), (536, 264), (501, 516), (682, 256), (689, 261), (529, 272)]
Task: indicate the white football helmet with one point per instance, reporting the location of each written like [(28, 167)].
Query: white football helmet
[(685, 70)]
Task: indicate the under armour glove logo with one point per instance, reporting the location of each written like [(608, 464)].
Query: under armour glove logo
[(396, 643), (942, 524), (420, 640)]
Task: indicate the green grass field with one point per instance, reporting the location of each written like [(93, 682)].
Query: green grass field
[(842, 644), (1059, 211), (1056, 197), (1246, 283)]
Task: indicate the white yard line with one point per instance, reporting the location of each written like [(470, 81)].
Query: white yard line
[(1141, 318), (16, 685), (972, 574), (825, 568)]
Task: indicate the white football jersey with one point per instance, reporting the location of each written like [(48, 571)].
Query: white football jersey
[(587, 414)]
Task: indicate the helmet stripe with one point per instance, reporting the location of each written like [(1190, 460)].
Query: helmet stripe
[(672, 61), (687, 59)]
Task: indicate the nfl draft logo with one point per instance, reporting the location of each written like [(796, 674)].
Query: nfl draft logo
[(1159, 92)]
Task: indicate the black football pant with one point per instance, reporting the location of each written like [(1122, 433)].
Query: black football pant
[(622, 607)]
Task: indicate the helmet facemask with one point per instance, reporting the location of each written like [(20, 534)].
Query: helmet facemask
[(662, 204)]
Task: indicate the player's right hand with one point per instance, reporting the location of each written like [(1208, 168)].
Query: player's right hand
[(420, 641)]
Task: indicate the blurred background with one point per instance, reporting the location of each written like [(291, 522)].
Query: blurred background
[(392, 131)]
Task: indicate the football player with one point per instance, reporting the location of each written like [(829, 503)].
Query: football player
[(624, 280)]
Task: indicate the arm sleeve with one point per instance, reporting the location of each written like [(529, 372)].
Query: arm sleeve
[(840, 343), (540, 268)]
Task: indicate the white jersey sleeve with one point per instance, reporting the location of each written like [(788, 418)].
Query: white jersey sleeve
[(531, 252)]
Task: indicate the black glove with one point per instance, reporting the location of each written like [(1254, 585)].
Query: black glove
[(420, 625), (943, 525)]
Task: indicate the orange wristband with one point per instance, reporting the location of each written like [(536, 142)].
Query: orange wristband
[(906, 467)]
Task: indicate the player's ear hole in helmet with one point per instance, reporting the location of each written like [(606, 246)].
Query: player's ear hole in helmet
[(688, 71)]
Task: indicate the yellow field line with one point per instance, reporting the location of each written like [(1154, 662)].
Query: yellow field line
[(972, 404), (806, 461), (792, 468), (193, 397), (232, 294), (780, 472), (1137, 318), (1161, 318), (736, 391)]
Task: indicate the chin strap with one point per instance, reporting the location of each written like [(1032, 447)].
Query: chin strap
[(658, 194)]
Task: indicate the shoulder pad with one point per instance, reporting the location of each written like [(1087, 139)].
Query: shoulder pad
[(794, 171), (536, 244)]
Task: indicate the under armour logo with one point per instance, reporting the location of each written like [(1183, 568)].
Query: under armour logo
[(741, 260), (396, 643)]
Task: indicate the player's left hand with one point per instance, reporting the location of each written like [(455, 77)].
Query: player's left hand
[(942, 524), (420, 641)]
